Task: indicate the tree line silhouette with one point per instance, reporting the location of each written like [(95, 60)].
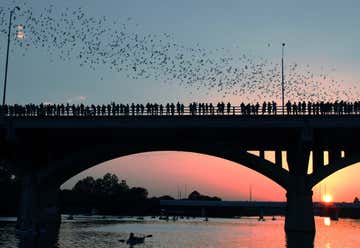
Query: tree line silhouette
[(108, 195), (171, 109)]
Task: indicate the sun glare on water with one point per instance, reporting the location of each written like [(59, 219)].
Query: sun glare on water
[(327, 221)]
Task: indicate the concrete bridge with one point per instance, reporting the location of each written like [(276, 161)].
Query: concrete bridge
[(47, 151)]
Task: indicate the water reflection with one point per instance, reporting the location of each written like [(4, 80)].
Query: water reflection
[(45, 240), (299, 240), (327, 221), (225, 233)]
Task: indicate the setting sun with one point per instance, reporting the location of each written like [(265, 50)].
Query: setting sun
[(327, 198)]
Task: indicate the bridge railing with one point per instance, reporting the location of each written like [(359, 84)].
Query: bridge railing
[(32, 110)]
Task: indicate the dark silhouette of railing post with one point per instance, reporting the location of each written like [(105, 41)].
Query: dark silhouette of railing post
[(299, 212)]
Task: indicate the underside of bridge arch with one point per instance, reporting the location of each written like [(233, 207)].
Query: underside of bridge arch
[(68, 163), (76, 162), (326, 171)]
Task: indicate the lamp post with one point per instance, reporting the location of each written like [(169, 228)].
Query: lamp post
[(7, 52), (282, 78)]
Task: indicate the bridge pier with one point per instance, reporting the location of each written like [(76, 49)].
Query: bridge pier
[(299, 210), (38, 209)]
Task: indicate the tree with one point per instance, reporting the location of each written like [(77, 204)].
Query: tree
[(110, 181), (166, 197), (356, 200), (138, 193), (107, 185), (86, 185), (107, 194), (196, 196)]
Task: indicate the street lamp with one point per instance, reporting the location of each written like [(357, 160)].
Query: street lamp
[(7, 52), (282, 77)]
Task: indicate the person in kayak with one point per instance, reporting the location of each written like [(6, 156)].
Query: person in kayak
[(136, 240)]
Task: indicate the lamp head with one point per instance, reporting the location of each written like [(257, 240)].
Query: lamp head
[(283, 44), (17, 8)]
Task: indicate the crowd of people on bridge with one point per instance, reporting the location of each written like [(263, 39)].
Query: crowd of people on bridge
[(171, 109)]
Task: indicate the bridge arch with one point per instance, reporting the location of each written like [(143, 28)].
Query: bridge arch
[(62, 170), (340, 185), (331, 168)]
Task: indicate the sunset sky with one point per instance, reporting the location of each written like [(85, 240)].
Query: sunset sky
[(321, 34), (167, 173)]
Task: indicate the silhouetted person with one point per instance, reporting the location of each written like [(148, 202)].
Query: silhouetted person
[(228, 108), (161, 109), (274, 107), (263, 110), (309, 107), (269, 105), (172, 109), (257, 107)]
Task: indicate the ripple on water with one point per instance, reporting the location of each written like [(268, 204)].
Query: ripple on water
[(227, 233)]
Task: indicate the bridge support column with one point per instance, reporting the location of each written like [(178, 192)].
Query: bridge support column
[(299, 212), (39, 209)]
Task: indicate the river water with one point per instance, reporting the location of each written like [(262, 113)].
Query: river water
[(101, 232)]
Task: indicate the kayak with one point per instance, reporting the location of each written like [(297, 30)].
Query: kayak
[(135, 240)]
